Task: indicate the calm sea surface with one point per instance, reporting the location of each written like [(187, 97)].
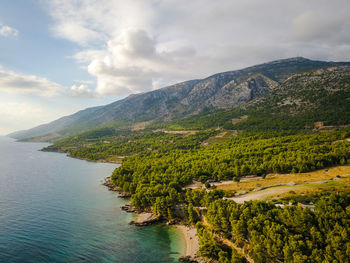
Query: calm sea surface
[(54, 209)]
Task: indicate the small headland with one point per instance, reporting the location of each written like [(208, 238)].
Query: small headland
[(146, 218)]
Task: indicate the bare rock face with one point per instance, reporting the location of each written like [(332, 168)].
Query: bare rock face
[(234, 93), (308, 91), (145, 219)]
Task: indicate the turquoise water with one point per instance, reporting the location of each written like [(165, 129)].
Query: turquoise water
[(54, 209)]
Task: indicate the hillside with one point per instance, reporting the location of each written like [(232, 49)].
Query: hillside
[(321, 95), (286, 153), (221, 91), (296, 103)]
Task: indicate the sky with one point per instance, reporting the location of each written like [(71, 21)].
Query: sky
[(61, 56)]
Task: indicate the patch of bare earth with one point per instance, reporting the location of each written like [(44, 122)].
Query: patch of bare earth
[(140, 125)]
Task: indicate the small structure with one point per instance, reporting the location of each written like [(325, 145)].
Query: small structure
[(318, 124)]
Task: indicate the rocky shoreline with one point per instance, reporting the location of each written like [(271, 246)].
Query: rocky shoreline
[(111, 187), (143, 218), (189, 259), (148, 218)]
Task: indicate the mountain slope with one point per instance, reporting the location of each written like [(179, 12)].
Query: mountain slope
[(309, 91), (303, 99), (296, 103), (55, 126), (221, 91)]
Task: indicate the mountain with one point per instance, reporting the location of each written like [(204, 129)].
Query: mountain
[(220, 91), (319, 97), (320, 90)]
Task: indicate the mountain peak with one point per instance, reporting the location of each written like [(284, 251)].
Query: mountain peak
[(286, 60), (224, 90)]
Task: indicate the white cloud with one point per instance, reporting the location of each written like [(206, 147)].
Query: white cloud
[(89, 21), (7, 31), (11, 82), (81, 91), (87, 55), (137, 45), (77, 33), (133, 63), (87, 82)]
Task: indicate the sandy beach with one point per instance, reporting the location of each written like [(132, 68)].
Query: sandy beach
[(191, 240)]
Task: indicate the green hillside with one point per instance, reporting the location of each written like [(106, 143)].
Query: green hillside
[(300, 125)]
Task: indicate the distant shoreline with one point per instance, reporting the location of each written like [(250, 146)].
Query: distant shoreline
[(80, 158)]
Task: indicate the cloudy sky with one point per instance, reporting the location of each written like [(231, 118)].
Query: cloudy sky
[(60, 56)]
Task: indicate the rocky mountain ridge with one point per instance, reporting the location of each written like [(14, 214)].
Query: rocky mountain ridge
[(220, 91)]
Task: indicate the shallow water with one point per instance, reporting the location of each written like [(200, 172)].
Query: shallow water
[(54, 209)]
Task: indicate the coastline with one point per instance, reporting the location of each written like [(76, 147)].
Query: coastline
[(190, 239), (88, 160), (143, 218), (188, 234), (101, 230), (117, 161)]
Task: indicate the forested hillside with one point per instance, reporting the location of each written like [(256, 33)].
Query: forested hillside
[(300, 125), (292, 234)]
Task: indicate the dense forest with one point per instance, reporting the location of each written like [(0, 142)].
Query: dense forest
[(159, 175), (292, 234), (106, 142), (272, 134), (158, 165)]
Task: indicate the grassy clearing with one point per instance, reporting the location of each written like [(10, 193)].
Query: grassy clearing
[(313, 189), (302, 178), (279, 192), (335, 179), (140, 125), (115, 159), (222, 137)]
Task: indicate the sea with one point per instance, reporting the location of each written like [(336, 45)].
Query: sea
[(53, 208)]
